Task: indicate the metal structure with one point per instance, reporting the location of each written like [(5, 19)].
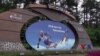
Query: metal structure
[(13, 21)]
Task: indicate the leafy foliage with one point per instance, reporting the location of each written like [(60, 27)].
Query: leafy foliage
[(94, 34), (7, 6)]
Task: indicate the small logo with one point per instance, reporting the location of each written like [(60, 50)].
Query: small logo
[(16, 17)]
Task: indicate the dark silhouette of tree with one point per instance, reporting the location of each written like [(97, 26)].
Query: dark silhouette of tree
[(0, 3), (91, 7), (71, 3)]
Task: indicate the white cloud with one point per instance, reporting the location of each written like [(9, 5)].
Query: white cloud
[(80, 3), (98, 0)]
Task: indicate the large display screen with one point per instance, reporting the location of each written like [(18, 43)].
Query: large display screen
[(49, 35)]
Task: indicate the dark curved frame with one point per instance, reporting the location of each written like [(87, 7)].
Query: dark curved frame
[(74, 31), (23, 30), (36, 19)]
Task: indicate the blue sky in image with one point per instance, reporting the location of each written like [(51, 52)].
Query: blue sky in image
[(33, 32)]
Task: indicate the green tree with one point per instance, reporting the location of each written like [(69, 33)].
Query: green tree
[(6, 5)]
